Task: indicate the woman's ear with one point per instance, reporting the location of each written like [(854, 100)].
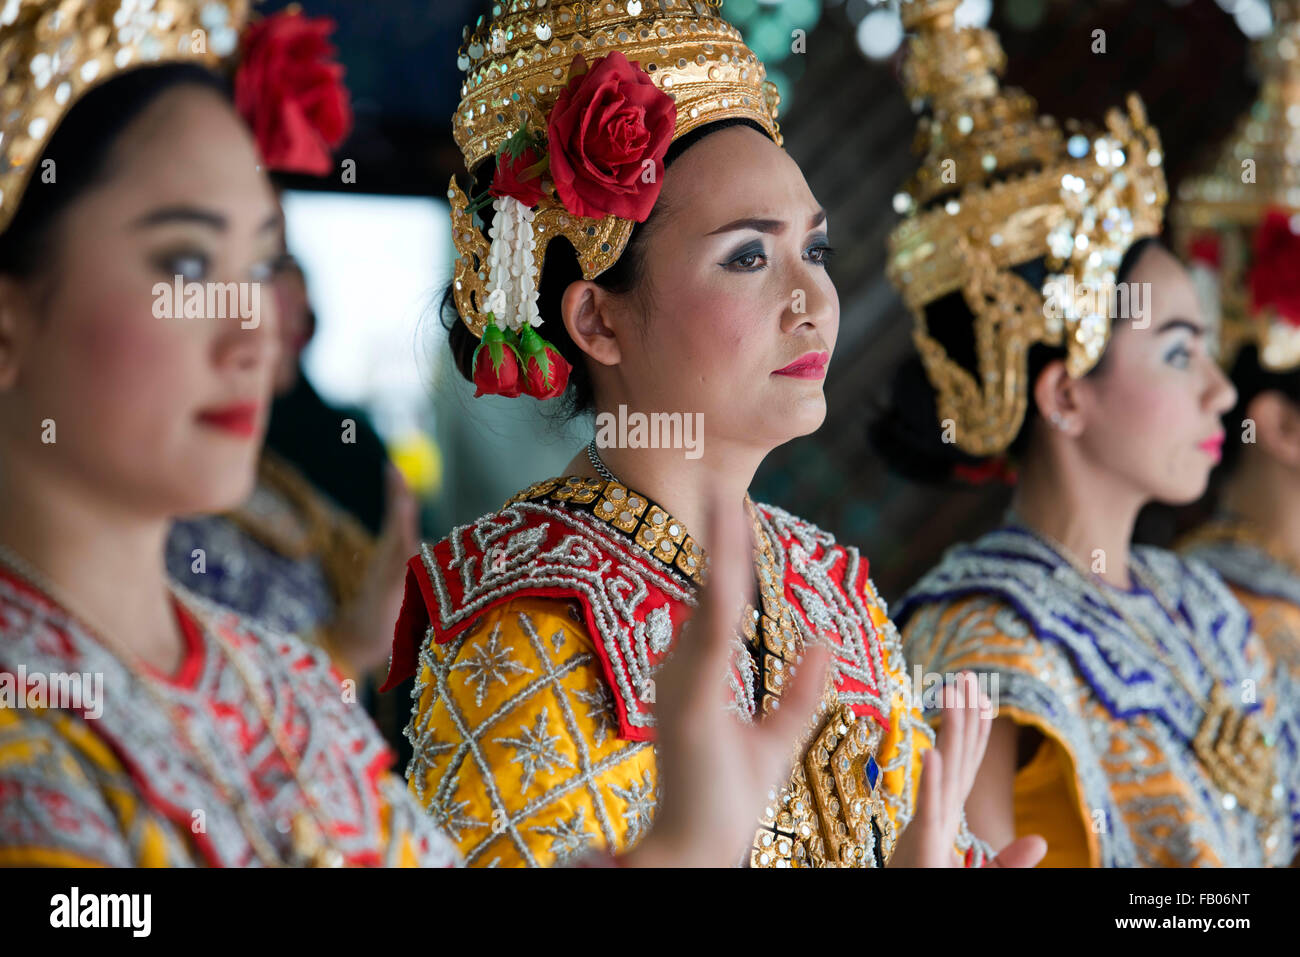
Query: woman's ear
[(15, 321), (1277, 426), (1059, 398), (586, 309)]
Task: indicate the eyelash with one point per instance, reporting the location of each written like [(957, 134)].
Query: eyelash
[(167, 263), (825, 251), (262, 271), (1179, 352)]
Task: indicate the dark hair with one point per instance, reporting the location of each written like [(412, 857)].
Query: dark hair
[(906, 432), (80, 149), (560, 269), (1251, 379)]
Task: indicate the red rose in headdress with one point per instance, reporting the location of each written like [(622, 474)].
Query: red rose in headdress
[(1275, 270), (606, 124), (290, 91)]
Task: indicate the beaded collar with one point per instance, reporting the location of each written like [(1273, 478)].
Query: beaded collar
[(1245, 555), (648, 525), (1126, 677)]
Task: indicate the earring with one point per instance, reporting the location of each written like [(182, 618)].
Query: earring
[(1057, 420)]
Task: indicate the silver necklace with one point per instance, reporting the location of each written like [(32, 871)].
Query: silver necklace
[(598, 464)]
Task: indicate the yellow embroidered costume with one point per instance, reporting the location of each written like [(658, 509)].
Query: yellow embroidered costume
[(1149, 757), (536, 632)]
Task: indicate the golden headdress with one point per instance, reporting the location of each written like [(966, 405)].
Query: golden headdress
[(524, 57), (999, 186), (53, 52), (1253, 185)]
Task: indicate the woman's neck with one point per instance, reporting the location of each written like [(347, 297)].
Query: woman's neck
[(106, 563), (1266, 495), (680, 484), (1090, 513)]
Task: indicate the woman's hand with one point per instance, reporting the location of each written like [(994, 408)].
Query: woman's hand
[(363, 632), (947, 773), (714, 771)]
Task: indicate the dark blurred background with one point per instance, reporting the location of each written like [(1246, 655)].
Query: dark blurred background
[(846, 122)]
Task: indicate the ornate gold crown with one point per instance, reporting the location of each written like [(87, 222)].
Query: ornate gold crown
[(999, 186), (517, 62), (53, 52), (1256, 171)]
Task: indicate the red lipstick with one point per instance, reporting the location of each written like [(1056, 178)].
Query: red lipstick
[(1213, 446), (810, 365), (239, 419)]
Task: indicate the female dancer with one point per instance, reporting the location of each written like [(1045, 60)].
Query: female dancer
[(139, 724), (1129, 682), (691, 287)]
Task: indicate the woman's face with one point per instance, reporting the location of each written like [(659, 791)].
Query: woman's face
[(738, 316), (1152, 413), (292, 309), (153, 415)]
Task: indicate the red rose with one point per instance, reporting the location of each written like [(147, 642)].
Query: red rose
[(546, 372), (290, 91), (1275, 271), (512, 179), (496, 365), (606, 123)]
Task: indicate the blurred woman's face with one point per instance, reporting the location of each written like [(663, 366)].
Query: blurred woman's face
[(738, 315), (1152, 413), (154, 416)]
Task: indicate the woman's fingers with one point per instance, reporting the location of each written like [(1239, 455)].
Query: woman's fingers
[(1023, 852), (985, 721), (400, 535), (729, 584), (929, 800), (798, 703), (692, 678), (951, 744)]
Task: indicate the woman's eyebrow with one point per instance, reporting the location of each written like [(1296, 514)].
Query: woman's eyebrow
[(1168, 325), (760, 225), (182, 214)]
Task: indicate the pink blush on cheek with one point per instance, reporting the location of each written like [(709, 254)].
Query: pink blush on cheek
[(129, 363)]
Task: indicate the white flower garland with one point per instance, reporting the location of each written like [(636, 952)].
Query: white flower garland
[(512, 290)]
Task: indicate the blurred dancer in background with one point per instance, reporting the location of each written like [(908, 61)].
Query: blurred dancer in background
[(292, 557), (1243, 242), (1053, 328)]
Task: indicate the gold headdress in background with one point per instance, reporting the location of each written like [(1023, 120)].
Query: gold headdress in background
[(53, 52), (518, 62), (999, 186), (1222, 219)]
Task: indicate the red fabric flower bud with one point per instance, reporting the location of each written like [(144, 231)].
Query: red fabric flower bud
[(546, 372), (519, 178), (496, 365)]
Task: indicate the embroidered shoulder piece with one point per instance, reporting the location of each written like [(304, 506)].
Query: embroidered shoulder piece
[(1242, 555), (583, 539), (338, 750), (1127, 678), (633, 570), (827, 587)]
